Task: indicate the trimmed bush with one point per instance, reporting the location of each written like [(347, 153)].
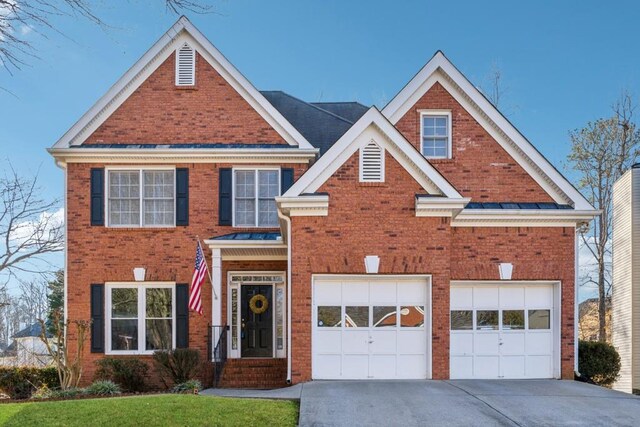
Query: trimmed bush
[(127, 373), (42, 392), (178, 366), (191, 386), (598, 361), (69, 393), (103, 388), (20, 383)]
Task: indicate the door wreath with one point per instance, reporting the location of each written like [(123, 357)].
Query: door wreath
[(253, 304)]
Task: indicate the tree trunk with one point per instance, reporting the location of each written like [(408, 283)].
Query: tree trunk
[(602, 331)]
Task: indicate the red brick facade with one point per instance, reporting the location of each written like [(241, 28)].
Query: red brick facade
[(363, 220)]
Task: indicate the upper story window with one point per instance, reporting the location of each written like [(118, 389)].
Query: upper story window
[(435, 132), (140, 318), (372, 163), (141, 198), (254, 196), (185, 66)]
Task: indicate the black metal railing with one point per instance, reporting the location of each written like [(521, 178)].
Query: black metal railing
[(218, 350)]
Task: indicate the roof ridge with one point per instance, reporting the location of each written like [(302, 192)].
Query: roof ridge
[(311, 105)]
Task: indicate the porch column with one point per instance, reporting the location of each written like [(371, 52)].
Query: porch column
[(216, 282)]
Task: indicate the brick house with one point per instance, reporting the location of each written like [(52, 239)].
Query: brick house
[(428, 239)]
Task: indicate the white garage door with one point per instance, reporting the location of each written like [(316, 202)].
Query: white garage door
[(373, 327), (503, 331)]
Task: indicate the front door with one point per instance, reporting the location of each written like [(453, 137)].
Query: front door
[(256, 328)]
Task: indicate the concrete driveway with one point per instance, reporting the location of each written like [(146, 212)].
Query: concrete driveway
[(465, 403)]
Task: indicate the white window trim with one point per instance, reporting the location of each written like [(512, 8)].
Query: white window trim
[(257, 183), (382, 163), (193, 66), (426, 113), (237, 353), (141, 286), (139, 170)]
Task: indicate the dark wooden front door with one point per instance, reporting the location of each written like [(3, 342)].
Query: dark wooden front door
[(256, 329)]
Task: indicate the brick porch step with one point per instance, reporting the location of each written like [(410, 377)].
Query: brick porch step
[(254, 373)]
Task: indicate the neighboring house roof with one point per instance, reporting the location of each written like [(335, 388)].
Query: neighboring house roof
[(33, 330), (389, 138), (183, 30), (440, 70), (321, 126), (249, 236)]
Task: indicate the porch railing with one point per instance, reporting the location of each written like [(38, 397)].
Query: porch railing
[(218, 350)]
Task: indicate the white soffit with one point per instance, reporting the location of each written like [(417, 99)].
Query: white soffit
[(373, 126), (440, 69), (182, 31)]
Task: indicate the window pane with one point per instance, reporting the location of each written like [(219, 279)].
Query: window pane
[(268, 184), (159, 203), (245, 213), (124, 198), (384, 316), (124, 334), (124, 302), (355, 317), (412, 316), (487, 319), (512, 319), (245, 184), (234, 318), (539, 319), (279, 318), (158, 334), (461, 320), (158, 302), (329, 316), (268, 213)]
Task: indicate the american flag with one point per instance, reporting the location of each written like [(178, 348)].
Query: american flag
[(199, 273)]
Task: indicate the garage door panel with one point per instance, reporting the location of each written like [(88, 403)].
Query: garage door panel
[(328, 342), (512, 297), (412, 342), (328, 293), (383, 366), (383, 342), (355, 366), (461, 344), (486, 343), (513, 343), (461, 367), (355, 293), (513, 366), (411, 366), (486, 366), (355, 342), (461, 298), (382, 293), (539, 296), (485, 297), (327, 366), (539, 343), (539, 366), (412, 293)]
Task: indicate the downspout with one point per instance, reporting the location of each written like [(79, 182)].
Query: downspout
[(575, 301), (288, 221)]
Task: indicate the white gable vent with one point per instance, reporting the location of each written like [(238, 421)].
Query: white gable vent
[(185, 66), (371, 163)]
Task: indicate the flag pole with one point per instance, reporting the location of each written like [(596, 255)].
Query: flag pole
[(208, 272)]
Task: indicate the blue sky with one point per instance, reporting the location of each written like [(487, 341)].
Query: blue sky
[(563, 63)]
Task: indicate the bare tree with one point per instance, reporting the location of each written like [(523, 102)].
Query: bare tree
[(29, 227), (18, 17), (600, 153), (33, 299), (496, 91)]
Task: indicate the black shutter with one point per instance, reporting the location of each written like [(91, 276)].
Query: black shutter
[(182, 196), (182, 315), (224, 197), (286, 180), (97, 196), (97, 318)]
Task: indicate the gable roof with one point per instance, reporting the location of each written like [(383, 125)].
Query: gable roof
[(393, 142), (440, 69), (33, 330), (320, 126), (183, 30)]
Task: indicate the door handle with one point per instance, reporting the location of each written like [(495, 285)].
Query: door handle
[(370, 341)]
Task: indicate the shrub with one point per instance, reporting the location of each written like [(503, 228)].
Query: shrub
[(598, 361), (179, 365), (20, 383), (191, 386), (69, 393), (42, 392), (127, 373), (103, 388)]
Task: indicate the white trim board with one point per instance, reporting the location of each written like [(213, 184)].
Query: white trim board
[(182, 31), (373, 126), (440, 69)]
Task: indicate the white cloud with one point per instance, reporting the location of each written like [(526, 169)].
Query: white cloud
[(42, 226)]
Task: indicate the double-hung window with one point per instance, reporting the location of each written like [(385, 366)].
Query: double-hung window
[(141, 197), (435, 130), (140, 318), (254, 196)]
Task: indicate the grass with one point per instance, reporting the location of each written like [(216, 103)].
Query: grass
[(158, 410)]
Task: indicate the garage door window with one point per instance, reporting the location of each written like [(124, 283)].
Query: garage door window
[(539, 319), (461, 320), (513, 319), (356, 316), (412, 316), (384, 316), (329, 316), (487, 320)]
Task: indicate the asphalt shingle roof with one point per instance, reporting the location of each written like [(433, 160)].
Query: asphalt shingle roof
[(32, 330), (511, 205)]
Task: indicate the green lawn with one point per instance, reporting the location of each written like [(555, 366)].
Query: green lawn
[(160, 410)]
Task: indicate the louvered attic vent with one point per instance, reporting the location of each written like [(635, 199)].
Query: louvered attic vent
[(185, 66), (371, 163)]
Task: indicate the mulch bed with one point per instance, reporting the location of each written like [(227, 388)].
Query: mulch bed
[(87, 396)]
